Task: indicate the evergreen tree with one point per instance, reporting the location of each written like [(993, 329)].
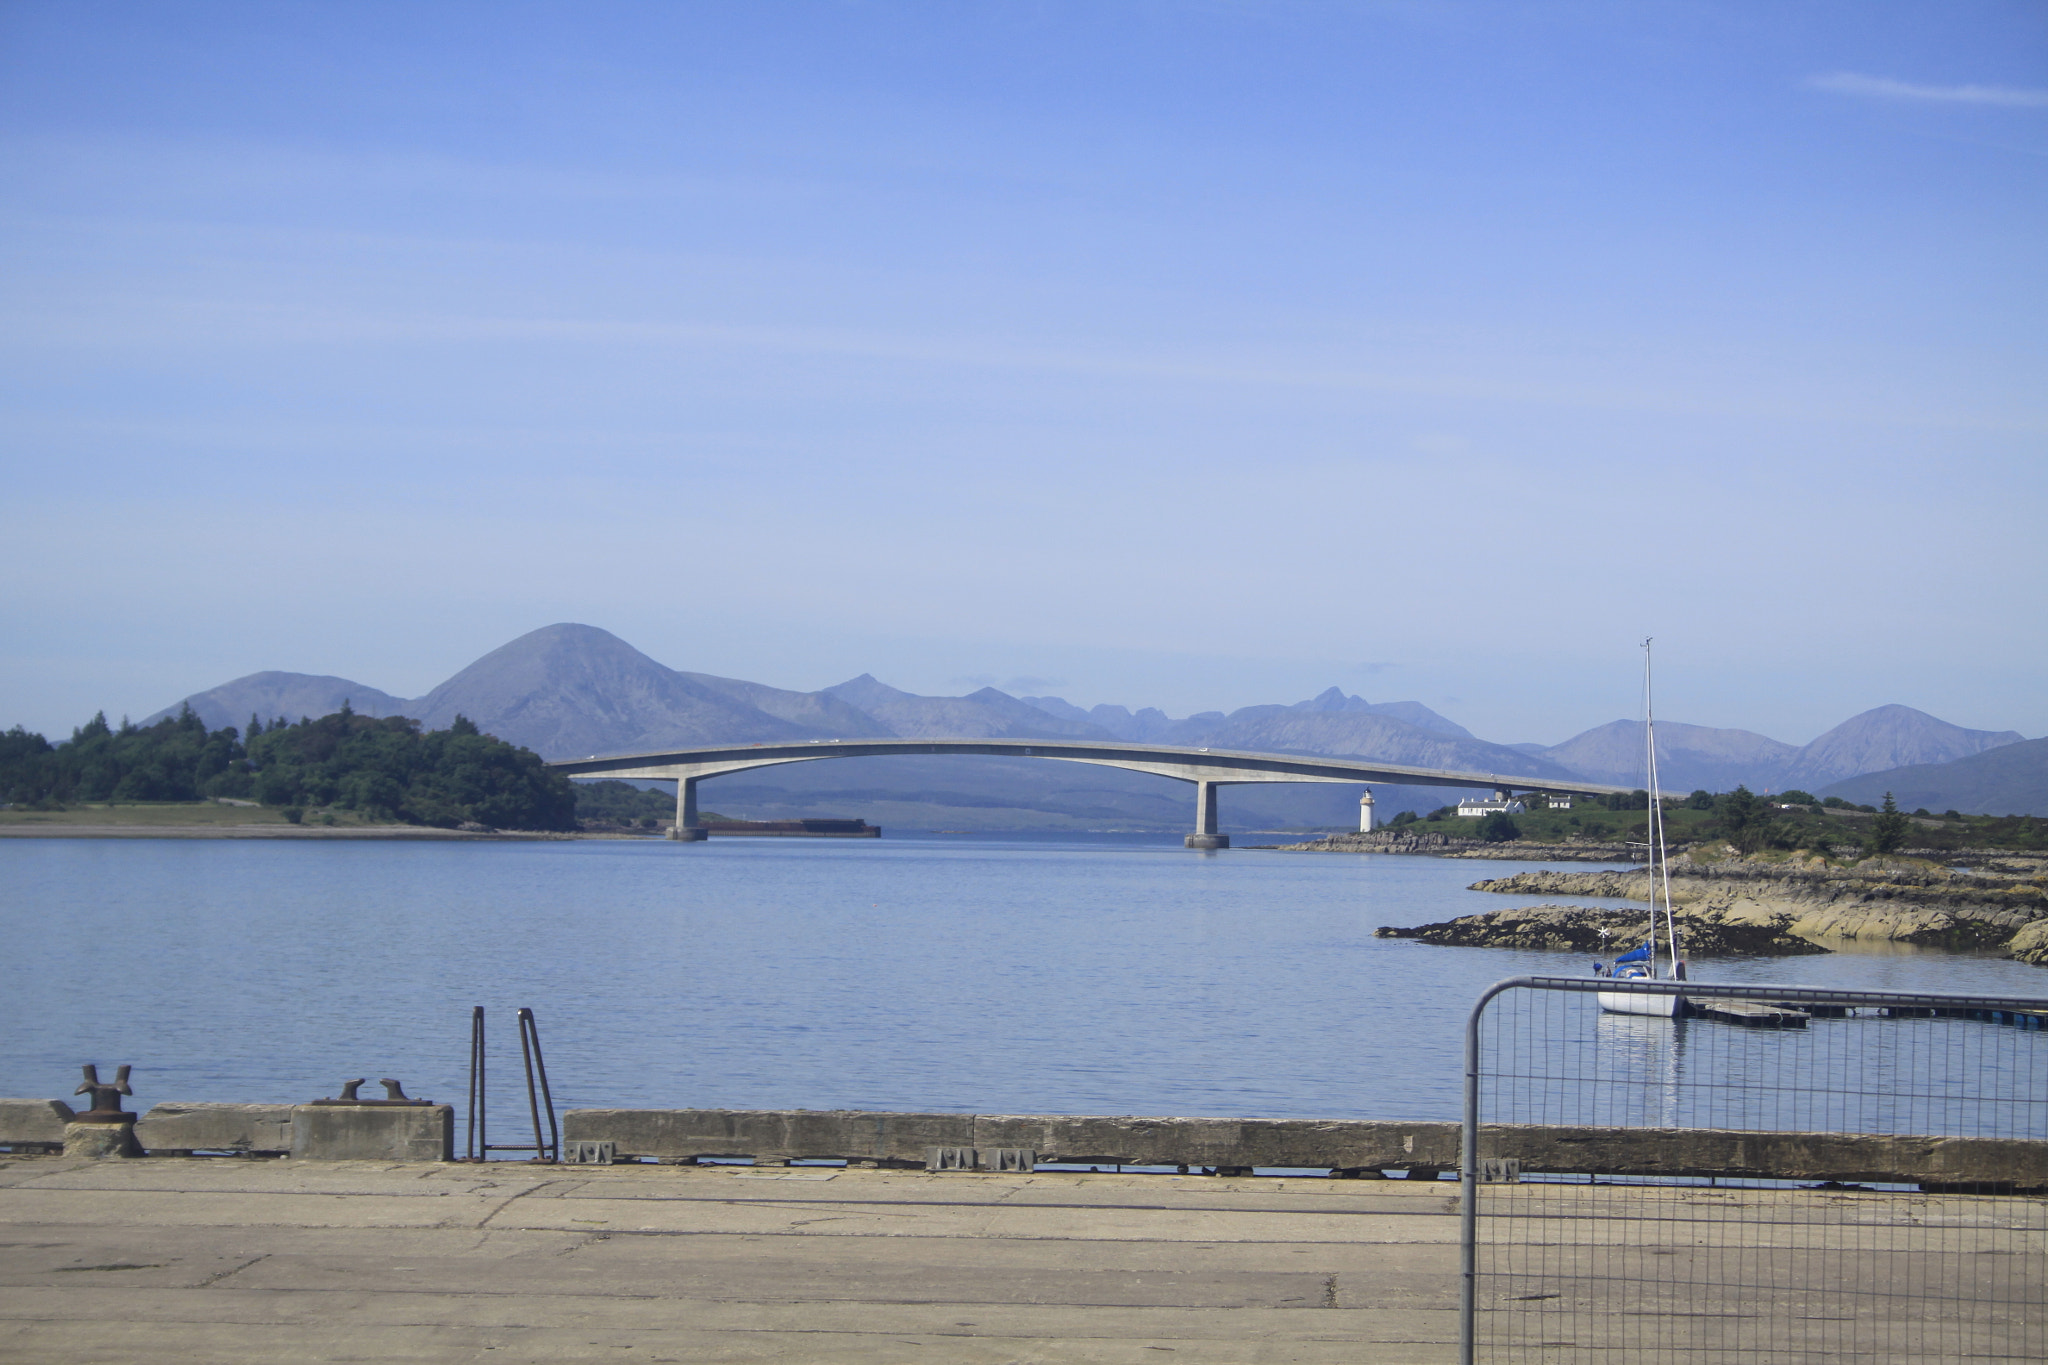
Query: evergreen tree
[(1745, 819), (1888, 830)]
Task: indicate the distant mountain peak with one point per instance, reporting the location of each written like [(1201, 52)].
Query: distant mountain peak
[(571, 689), (1688, 756), (1332, 699), (1059, 706), (273, 693), (1143, 727), (867, 692), (1891, 736)]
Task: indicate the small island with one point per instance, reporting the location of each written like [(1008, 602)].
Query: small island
[(1729, 903)]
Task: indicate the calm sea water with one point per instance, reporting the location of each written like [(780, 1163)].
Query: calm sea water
[(1105, 974)]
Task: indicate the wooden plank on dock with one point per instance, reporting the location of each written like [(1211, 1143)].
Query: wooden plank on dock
[(1751, 1013)]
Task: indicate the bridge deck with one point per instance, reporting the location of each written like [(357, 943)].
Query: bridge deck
[(1220, 767)]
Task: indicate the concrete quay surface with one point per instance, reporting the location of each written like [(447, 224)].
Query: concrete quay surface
[(233, 1260), (244, 1260)]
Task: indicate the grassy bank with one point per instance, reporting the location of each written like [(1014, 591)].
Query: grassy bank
[(168, 815)]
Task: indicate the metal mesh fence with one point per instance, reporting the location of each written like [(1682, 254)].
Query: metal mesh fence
[(1776, 1175)]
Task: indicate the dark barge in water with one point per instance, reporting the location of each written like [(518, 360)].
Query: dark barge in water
[(796, 829)]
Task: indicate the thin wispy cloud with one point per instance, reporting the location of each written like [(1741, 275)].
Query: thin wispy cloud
[(1885, 88)]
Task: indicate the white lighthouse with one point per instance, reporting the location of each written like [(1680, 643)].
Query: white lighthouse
[(1365, 813)]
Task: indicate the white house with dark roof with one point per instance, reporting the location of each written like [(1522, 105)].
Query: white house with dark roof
[(1472, 807)]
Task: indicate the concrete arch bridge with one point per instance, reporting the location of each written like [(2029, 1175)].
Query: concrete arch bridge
[(1207, 769)]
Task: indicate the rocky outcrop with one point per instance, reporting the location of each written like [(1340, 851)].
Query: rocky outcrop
[(1895, 900), (1382, 841), (1608, 931), (2030, 944), (1620, 885), (1406, 840), (1522, 850)]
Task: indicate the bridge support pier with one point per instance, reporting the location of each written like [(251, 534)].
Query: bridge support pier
[(1205, 835), (689, 828)]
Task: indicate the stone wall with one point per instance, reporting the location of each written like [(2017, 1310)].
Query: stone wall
[(425, 1133), (1335, 1144)]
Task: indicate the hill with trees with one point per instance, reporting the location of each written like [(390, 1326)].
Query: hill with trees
[(384, 768)]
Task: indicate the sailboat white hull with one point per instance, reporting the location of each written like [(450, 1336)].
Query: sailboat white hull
[(1660, 1006)]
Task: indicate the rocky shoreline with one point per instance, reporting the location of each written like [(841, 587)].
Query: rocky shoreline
[(1777, 905), (1436, 845), (1606, 931)]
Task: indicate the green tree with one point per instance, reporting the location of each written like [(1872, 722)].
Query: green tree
[(1888, 830), (1700, 800), (1498, 828), (1745, 819)]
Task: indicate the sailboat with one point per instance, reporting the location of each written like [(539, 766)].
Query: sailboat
[(1644, 963)]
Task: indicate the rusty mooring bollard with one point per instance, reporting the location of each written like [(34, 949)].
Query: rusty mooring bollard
[(106, 1129), (106, 1097), (394, 1093)]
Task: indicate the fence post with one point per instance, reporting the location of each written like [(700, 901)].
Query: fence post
[(1468, 1194), (1468, 1179)]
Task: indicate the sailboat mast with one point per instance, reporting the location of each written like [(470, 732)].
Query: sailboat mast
[(1660, 865)]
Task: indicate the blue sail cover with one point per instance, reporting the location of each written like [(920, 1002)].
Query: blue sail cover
[(1641, 954)]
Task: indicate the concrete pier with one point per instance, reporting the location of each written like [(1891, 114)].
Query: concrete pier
[(246, 1260), (688, 828), (1205, 835)]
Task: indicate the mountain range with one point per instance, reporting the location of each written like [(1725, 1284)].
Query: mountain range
[(1693, 756), (569, 690), (2009, 780)]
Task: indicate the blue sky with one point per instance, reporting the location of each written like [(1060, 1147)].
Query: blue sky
[(1178, 354)]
